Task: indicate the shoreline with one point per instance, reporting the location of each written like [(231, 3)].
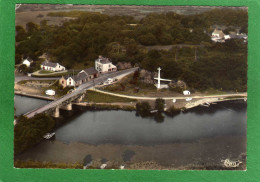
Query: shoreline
[(170, 156), (121, 105)]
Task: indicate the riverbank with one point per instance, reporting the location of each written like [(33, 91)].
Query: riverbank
[(180, 104), (205, 153), (34, 96)]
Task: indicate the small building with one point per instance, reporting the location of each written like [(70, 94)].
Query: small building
[(218, 34), (80, 78), (103, 65), (50, 66), (91, 72), (27, 62), (227, 37), (186, 92)]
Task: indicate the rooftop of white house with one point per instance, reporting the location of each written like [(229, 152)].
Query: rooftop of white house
[(103, 60), (49, 64)]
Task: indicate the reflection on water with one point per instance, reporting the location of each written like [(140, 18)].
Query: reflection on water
[(25, 104), (122, 127)]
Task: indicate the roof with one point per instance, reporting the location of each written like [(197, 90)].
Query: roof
[(91, 71), (50, 64), (78, 77), (216, 31), (103, 60)]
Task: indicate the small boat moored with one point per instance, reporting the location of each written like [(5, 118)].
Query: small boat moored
[(48, 136)]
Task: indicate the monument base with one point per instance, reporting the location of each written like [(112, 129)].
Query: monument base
[(162, 86)]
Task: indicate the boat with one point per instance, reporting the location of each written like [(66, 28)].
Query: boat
[(48, 136), (205, 105)]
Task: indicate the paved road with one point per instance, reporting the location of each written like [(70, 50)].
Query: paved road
[(79, 90)]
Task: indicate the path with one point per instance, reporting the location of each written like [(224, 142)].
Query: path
[(244, 94)]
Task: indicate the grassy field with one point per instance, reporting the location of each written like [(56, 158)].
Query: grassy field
[(45, 72), (93, 96), (56, 75), (127, 87)]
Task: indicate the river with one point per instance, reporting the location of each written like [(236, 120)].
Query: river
[(200, 136)]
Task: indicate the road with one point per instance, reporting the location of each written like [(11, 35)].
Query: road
[(79, 90)]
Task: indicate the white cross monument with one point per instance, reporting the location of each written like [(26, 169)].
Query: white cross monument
[(159, 85)]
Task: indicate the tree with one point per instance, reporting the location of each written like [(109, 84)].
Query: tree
[(31, 27), (159, 104), (143, 109), (20, 33), (148, 39)]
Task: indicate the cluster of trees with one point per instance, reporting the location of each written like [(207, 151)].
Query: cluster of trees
[(143, 109), (28, 132), (124, 39)]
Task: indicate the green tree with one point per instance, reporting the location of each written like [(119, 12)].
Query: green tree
[(148, 39), (159, 104), (143, 109)]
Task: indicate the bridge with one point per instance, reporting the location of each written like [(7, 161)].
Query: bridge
[(78, 94)]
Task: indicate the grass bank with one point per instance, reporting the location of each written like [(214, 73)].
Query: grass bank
[(97, 97)]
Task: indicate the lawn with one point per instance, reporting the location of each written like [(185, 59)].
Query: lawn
[(97, 97), (45, 72), (57, 74), (127, 87)]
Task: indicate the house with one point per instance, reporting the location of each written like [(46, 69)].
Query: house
[(50, 66), (27, 62), (103, 65), (80, 78), (75, 80), (217, 34), (91, 72)]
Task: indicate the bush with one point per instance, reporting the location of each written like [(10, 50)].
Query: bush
[(159, 104), (172, 111), (143, 109)]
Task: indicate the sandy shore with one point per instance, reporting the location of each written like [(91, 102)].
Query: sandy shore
[(191, 155)]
